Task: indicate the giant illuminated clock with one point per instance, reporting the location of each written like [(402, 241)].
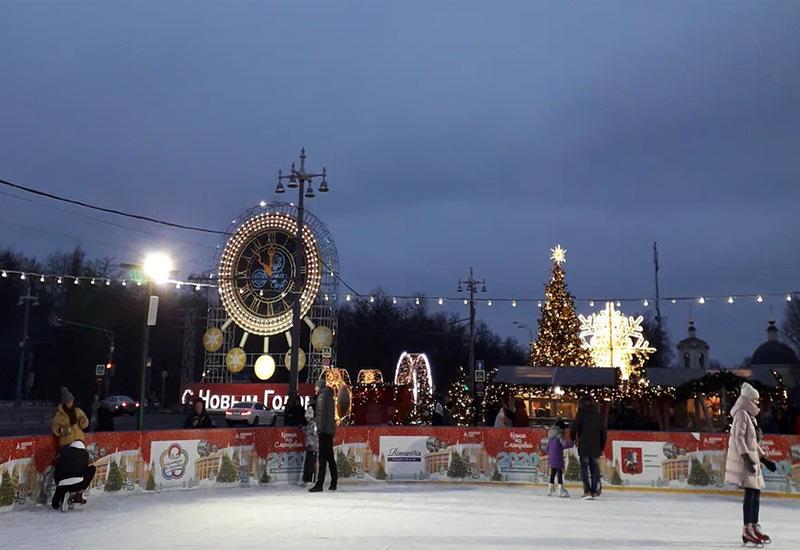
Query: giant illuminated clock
[(257, 274)]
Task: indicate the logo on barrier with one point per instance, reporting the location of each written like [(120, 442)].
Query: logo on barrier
[(631, 460), (173, 462)]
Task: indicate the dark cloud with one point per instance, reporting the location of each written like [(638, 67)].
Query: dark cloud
[(456, 134)]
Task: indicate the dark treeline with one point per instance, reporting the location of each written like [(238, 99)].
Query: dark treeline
[(370, 335), (62, 354)]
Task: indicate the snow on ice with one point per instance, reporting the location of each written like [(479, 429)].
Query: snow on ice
[(398, 516)]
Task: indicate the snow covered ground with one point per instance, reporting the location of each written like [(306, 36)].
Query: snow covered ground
[(397, 516)]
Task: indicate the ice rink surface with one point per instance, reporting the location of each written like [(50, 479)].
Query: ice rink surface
[(398, 516)]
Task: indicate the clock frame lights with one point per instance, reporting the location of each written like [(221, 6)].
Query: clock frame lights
[(232, 289)]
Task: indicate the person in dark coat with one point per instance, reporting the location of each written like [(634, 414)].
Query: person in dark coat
[(590, 432), (325, 420), (73, 473), (294, 413), (199, 418)]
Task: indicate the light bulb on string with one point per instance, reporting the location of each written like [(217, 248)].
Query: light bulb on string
[(41, 279), (197, 288), (347, 298), (759, 299), (645, 303), (178, 286), (92, 282), (372, 299), (618, 303), (730, 299), (108, 282), (489, 303), (513, 303), (416, 301), (539, 304), (591, 303), (466, 302), (59, 280), (22, 277), (788, 297), (124, 282), (394, 301), (4, 275), (674, 301), (701, 300), (76, 281), (441, 301)]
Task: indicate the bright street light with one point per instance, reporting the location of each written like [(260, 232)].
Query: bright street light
[(158, 267)]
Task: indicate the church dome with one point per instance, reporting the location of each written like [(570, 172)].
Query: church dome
[(773, 351)]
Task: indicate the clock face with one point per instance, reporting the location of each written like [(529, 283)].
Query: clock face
[(258, 270)]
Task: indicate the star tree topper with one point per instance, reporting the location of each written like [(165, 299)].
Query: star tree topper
[(558, 254)]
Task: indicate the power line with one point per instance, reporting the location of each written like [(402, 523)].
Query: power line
[(110, 210)]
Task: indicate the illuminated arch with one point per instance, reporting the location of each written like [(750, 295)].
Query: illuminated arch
[(414, 369)]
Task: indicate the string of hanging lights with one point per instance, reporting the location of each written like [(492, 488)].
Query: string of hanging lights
[(212, 282)]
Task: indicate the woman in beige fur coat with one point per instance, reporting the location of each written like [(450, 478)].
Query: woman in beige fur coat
[(744, 461)]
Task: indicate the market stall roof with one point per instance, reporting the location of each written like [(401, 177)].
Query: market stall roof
[(673, 378), (556, 376), (762, 375)]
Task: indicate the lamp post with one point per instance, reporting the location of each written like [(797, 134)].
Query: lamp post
[(157, 268), (298, 178), (471, 285), (26, 300), (523, 326)]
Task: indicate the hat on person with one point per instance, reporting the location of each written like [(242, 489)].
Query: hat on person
[(749, 392), (66, 396)]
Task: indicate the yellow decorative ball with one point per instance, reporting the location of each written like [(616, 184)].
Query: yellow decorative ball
[(212, 339), (321, 337), (301, 362), (265, 367), (235, 360)]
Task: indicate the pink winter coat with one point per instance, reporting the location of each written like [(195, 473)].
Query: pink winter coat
[(744, 439)]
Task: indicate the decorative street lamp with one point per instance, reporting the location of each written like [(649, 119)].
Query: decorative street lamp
[(298, 178), (471, 285)]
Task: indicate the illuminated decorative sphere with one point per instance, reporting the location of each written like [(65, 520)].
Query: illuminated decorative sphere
[(301, 359), (235, 360), (265, 367), (321, 337), (212, 339)]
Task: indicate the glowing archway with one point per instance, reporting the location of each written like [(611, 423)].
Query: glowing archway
[(414, 369)]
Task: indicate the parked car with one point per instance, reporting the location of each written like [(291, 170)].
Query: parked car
[(121, 404), (254, 414)]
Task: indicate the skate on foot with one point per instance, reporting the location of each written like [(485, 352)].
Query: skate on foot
[(562, 492), (77, 498), (749, 537), (588, 496), (551, 490), (760, 534)]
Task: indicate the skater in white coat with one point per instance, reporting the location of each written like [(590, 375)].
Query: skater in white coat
[(744, 460)]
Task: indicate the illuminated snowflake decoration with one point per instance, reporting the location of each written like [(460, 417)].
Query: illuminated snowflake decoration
[(558, 254), (615, 341)]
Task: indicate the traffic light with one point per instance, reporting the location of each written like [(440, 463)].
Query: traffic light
[(109, 367)]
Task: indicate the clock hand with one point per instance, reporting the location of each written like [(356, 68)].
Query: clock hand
[(267, 268), (271, 254)]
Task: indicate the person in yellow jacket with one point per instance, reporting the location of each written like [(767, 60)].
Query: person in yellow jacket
[(69, 420)]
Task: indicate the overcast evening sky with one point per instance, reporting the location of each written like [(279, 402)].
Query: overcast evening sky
[(455, 135)]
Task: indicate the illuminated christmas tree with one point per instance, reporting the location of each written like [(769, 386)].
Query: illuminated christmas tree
[(227, 472), (459, 399), (558, 343), (7, 490), (573, 472)]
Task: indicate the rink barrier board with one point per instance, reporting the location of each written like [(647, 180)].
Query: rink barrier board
[(129, 462)]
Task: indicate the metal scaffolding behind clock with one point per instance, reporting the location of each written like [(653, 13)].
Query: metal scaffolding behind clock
[(248, 332)]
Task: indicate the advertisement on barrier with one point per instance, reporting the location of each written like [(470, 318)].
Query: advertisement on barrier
[(174, 463), (517, 454), (285, 455), (404, 457)]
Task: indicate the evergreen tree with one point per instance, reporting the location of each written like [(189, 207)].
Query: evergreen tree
[(227, 472), (7, 490), (558, 343), (381, 473), (114, 480), (457, 467), (151, 479), (422, 411), (344, 464), (460, 400), (573, 472), (616, 478), (699, 474)]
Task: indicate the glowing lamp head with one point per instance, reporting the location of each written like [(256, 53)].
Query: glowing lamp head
[(158, 266)]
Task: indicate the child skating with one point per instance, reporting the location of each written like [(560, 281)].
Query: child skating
[(555, 458)]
